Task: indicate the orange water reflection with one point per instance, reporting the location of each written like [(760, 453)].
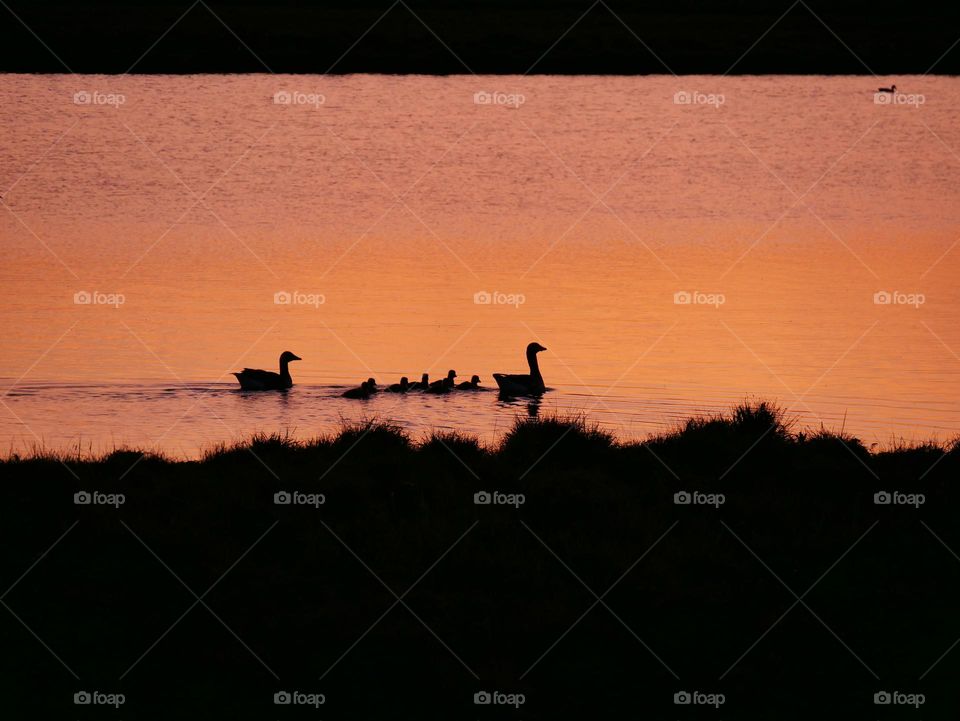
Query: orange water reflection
[(588, 208)]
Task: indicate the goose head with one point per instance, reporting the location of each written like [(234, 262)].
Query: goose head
[(451, 374), (371, 383), (287, 356), (475, 380), (425, 379), (534, 348)]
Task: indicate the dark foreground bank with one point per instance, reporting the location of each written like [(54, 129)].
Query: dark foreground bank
[(735, 565), (480, 36)]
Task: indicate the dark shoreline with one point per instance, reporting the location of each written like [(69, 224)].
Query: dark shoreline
[(440, 37), (698, 596)]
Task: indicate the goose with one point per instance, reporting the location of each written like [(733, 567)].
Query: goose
[(372, 386), (252, 379), (444, 385), (891, 89), (523, 385), (362, 392), (402, 387), (471, 385)]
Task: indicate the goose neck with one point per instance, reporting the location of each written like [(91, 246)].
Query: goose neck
[(534, 365)]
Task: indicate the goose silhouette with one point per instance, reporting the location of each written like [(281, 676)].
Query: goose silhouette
[(891, 89), (471, 385), (402, 387), (523, 385), (252, 379)]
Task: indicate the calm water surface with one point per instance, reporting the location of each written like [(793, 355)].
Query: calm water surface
[(781, 206)]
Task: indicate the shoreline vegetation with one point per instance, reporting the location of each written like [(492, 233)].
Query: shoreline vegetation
[(708, 431), (436, 571), (442, 37)]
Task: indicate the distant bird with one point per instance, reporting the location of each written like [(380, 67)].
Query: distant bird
[(891, 89), (402, 387), (422, 384), (360, 393), (444, 385), (471, 385), (372, 386), (257, 380), (523, 385)]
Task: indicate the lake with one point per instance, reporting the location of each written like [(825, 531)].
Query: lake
[(678, 244)]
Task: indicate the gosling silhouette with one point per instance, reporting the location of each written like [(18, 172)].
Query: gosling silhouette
[(891, 89), (422, 384), (523, 385), (471, 385), (445, 385), (402, 387), (252, 379), (362, 392)]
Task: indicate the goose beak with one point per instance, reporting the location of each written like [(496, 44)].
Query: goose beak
[(296, 357)]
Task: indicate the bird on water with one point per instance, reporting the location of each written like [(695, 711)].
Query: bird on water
[(523, 385), (254, 379)]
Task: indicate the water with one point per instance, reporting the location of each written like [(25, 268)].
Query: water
[(185, 204)]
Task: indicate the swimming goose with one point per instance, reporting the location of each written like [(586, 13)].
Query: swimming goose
[(252, 379), (421, 384), (444, 385), (402, 387), (891, 89), (362, 392), (471, 385), (523, 385)]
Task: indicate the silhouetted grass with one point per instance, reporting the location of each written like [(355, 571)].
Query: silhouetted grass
[(500, 582), (554, 440)]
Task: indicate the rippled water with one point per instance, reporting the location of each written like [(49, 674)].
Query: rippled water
[(186, 204)]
